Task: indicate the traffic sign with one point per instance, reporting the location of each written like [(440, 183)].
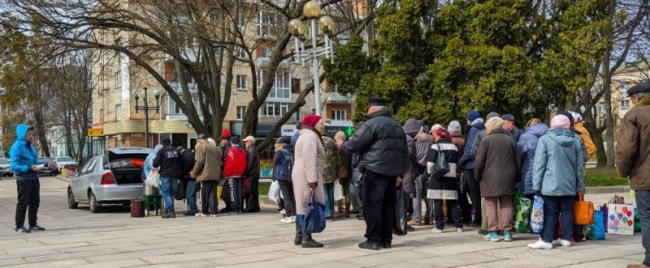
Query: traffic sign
[(95, 132)]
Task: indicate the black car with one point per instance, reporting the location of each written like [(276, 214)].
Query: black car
[(46, 170)]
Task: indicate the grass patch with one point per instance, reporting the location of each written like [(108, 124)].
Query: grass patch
[(263, 188), (604, 177)]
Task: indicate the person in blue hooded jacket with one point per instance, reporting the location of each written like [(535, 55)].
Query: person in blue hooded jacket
[(24, 163), (476, 125), (148, 162), (527, 144)]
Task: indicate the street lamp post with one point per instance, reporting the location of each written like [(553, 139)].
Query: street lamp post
[(145, 107), (302, 32)]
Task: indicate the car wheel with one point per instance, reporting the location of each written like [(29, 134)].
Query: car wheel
[(71, 203), (95, 206)]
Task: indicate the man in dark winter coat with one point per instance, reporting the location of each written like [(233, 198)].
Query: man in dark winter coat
[(187, 163), (381, 143), (476, 125), (252, 173), (169, 161)]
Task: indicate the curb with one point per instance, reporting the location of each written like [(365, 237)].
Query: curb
[(59, 177), (608, 189)]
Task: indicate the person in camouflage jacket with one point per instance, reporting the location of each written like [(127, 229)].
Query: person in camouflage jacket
[(331, 168), (344, 174)]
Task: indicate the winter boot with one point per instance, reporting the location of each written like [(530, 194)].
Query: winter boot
[(308, 242), (298, 240)]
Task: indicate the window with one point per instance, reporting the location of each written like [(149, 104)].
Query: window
[(241, 53), (172, 108), (274, 109), (281, 87), (241, 112), (118, 112), (118, 79), (188, 77), (625, 104), (241, 82), (295, 86), (215, 14), (338, 115), (264, 52), (241, 19), (334, 88), (267, 23), (625, 86)]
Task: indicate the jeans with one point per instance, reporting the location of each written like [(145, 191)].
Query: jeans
[(643, 205), (28, 198), (329, 199), (168, 188), (209, 204), (379, 194), (190, 196), (417, 201), (505, 211), (475, 195), (453, 212), (286, 188), (553, 206)]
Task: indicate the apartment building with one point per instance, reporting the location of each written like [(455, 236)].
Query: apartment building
[(117, 81), (622, 81)]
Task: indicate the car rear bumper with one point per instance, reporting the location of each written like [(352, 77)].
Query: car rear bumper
[(108, 193)]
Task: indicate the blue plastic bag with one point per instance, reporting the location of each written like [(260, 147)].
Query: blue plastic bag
[(314, 216), (537, 215), (599, 225)]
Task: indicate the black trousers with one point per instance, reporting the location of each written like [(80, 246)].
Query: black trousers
[(28, 198), (379, 207), (453, 212), (254, 202), (465, 207), (475, 195), (209, 204), (235, 194), (286, 187)]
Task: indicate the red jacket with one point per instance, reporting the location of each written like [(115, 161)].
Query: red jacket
[(235, 163)]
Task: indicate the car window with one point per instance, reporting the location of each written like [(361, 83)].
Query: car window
[(64, 159), (89, 167), (44, 160)]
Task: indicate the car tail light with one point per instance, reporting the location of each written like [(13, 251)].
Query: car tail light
[(108, 178)]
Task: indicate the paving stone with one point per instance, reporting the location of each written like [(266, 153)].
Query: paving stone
[(131, 255), (54, 264), (115, 264), (170, 258)]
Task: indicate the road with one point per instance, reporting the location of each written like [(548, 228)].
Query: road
[(78, 238)]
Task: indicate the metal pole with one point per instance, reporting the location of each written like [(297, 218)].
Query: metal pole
[(315, 63), (146, 120)]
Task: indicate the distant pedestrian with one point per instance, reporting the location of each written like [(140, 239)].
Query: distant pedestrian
[(633, 158), (24, 164), (169, 161), (282, 166), (253, 174), (381, 144), (527, 146), (476, 125), (445, 187), (207, 171), (187, 163), (331, 168), (233, 172), (344, 174)]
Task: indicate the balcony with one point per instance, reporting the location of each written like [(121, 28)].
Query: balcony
[(264, 62), (335, 97)]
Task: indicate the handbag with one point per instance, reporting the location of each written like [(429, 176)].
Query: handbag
[(441, 167), (463, 183), (401, 207), (583, 211), (314, 216)]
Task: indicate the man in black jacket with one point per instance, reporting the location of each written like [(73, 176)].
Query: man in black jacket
[(169, 161), (252, 173), (381, 144), (187, 163)]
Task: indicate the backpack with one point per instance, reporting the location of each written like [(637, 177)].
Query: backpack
[(417, 168), (288, 155)]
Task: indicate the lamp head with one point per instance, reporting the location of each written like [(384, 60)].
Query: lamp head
[(157, 93), (137, 97), (311, 9), (327, 25), (295, 26), (305, 32)]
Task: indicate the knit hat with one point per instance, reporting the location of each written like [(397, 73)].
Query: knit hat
[(508, 117), (576, 116), (284, 139), (473, 115), (225, 134), (560, 121), (454, 127), (492, 114), (166, 141), (310, 120), (235, 139), (442, 133), (568, 115), (493, 123)]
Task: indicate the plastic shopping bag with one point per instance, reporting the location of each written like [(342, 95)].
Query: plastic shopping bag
[(153, 179), (401, 207), (599, 225), (314, 216), (338, 191), (274, 192), (537, 215), (522, 213)]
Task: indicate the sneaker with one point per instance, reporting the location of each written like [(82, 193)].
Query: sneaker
[(189, 213), (286, 220), (493, 237), (507, 237), (283, 211), (214, 215), (22, 229), (540, 244), (293, 219), (200, 214), (459, 230), (436, 231), (561, 242)]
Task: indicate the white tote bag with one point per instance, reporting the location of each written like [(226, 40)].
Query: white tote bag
[(338, 191), (153, 179)]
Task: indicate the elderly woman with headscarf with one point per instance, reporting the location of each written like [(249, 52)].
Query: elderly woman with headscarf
[(307, 175), (558, 174), (498, 170), (446, 186)]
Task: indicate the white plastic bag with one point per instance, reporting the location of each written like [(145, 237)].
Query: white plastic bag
[(338, 191), (274, 192), (153, 179)]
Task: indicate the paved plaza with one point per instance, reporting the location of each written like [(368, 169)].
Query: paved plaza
[(78, 238)]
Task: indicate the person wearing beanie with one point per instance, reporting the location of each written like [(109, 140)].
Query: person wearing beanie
[(527, 144), (498, 168), (423, 143), (457, 138), (509, 120), (282, 165), (491, 114), (578, 125), (307, 175), (558, 175), (632, 158), (169, 160), (412, 127), (384, 160), (476, 126), (234, 168)]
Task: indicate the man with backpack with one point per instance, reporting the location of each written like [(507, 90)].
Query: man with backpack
[(169, 161)]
